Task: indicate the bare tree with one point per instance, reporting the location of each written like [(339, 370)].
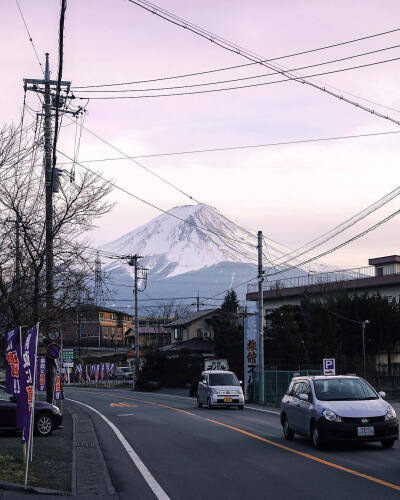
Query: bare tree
[(22, 199)]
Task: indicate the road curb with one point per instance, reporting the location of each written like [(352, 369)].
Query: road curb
[(4, 485), (90, 474)]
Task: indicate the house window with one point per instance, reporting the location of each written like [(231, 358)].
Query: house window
[(199, 333), (178, 333), (113, 316), (101, 316), (379, 271), (206, 334)]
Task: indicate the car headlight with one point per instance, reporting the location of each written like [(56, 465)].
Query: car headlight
[(214, 391), (390, 414), (331, 416)]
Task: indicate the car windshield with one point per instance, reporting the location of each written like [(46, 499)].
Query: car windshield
[(343, 389), (223, 379)]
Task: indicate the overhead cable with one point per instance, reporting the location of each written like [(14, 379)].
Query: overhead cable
[(29, 35), (246, 146), (155, 206), (198, 73), (227, 45), (244, 78)]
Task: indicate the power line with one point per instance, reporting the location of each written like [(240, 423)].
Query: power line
[(133, 160), (341, 245), (340, 227), (231, 47), (245, 77), (155, 206), (29, 35), (239, 65), (299, 79), (246, 146)]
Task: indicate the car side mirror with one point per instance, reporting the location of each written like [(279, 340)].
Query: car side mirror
[(382, 394), (303, 397)]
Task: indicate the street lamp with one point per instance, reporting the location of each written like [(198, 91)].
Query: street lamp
[(363, 325)]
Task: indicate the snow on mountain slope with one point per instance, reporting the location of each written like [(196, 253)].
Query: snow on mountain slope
[(191, 237)]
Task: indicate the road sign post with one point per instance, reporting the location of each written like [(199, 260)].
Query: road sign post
[(329, 366)]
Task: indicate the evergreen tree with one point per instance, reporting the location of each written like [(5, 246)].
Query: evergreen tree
[(231, 302)]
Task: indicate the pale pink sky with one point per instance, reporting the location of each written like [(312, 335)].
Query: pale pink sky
[(292, 193)]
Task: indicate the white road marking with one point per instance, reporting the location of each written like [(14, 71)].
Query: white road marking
[(259, 409), (125, 414), (147, 476)]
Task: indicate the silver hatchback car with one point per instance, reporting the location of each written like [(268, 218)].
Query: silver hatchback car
[(337, 408), (219, 388)]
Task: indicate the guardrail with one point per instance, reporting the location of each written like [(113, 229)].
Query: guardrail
[(321, 278)]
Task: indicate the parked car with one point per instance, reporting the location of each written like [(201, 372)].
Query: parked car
[(47, 416), (123, 373), (337, 408), (219, 388)]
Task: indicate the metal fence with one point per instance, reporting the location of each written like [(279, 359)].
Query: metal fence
[(324, 278), (276, 383)]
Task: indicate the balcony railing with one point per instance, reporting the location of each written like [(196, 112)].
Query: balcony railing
[(322, 278)]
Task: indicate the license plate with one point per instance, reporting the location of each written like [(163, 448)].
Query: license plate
[(365, 431), (227, 400)]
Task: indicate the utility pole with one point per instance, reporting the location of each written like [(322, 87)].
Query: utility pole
[(133, 262), (198, 301), (78, 328), (363, 325), (49, 88), (260, 318)]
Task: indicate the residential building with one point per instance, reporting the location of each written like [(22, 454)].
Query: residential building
[(382, 276), (99, 326), (194, 325)]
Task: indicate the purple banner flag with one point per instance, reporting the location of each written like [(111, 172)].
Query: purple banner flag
[(26, 380), (13, 362), (41, 373)]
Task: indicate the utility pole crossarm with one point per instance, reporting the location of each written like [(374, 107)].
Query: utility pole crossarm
[(34, 81)]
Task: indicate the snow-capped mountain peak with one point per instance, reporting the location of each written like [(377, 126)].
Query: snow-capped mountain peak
[(185, 238)]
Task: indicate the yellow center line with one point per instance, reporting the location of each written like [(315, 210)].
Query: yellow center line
[(268, 441)]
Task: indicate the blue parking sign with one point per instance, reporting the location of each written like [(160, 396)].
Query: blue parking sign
[(329, 366)]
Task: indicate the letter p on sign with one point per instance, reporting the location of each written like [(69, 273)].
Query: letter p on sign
[(329, 366)]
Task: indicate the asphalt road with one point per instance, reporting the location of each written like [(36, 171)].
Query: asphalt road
[(190, 453)]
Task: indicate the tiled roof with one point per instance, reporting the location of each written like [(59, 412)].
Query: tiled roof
[(190, 318)]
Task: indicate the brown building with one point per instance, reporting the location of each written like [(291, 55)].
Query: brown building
[(99, 326)]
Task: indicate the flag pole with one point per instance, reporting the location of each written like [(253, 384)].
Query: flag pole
[(34, 392)]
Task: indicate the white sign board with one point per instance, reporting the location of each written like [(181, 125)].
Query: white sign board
[(216, 364), (251, 354), (329, 366)]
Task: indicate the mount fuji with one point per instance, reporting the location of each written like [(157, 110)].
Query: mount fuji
[(190, 250)]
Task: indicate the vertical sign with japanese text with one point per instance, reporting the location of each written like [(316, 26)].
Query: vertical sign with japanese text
[(41, 373), (250, 352)]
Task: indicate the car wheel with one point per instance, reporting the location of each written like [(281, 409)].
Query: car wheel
[(287, 431), (241, 407), (199, 403), (209, 405), (388, 443), (316, 438), (44, 425)]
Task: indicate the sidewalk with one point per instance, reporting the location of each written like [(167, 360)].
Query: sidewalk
[(76, 458)]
